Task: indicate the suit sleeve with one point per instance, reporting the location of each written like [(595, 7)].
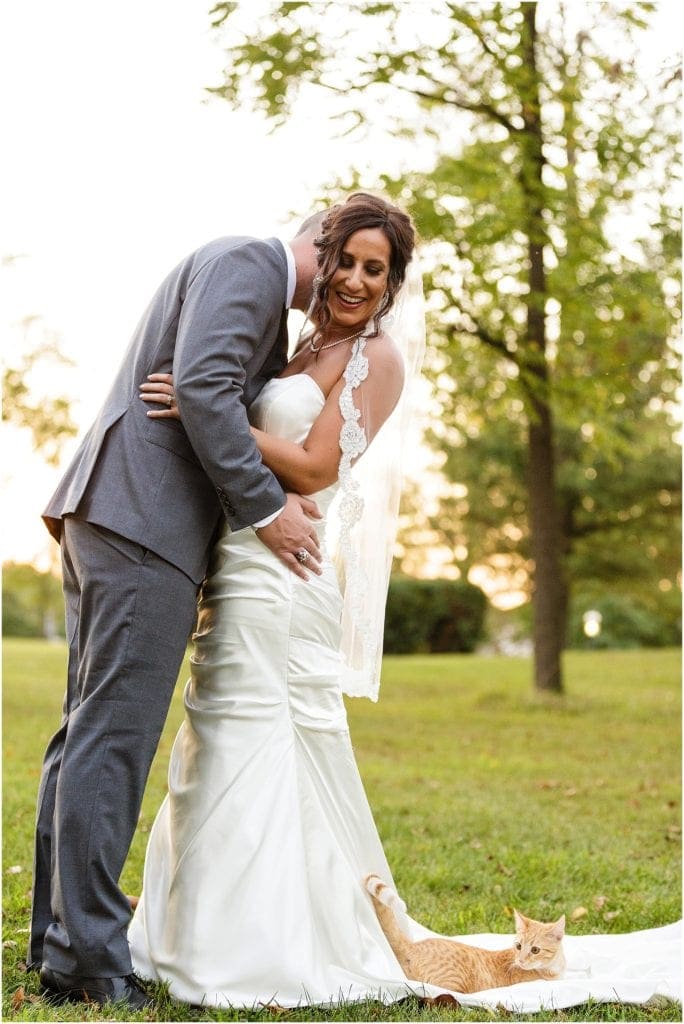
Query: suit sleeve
[(232, 307)]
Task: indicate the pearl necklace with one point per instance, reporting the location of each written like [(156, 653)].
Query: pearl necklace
[(331, 344)]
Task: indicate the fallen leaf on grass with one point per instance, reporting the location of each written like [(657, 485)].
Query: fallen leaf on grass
[(20, 998), (600, 902), (610, 915), (504, 870), (443, 999), (16, 869), (9, 944), (578, 913), (555, 784)]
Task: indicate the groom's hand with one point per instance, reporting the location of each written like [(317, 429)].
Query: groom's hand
[(291, 536)]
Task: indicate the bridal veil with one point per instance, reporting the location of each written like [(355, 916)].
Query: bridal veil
[(364, 516)]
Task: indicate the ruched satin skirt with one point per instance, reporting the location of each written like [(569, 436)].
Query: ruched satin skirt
[(253, 877)]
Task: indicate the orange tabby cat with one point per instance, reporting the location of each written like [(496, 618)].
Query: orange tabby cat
[(537, 952)]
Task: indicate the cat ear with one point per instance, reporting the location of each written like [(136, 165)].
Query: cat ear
[(558, 930), (520, 921)]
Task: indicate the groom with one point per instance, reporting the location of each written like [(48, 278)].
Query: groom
[(135, 514)]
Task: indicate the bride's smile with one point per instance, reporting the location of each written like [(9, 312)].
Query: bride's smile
[(358, 284)]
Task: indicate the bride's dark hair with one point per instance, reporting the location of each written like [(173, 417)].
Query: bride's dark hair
[(360, 211)]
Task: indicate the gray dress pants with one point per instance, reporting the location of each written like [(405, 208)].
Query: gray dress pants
[(128, 617)]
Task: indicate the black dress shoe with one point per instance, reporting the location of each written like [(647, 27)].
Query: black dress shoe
[(74, 988)]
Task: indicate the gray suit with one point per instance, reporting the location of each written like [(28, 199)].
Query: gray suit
[(136, 513)]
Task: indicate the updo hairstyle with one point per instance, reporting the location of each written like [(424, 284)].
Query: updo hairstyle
[(361, 210)]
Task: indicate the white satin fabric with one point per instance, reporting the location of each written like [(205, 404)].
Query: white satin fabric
[(252, 889)]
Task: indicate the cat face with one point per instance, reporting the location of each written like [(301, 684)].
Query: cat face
[(537, 944)]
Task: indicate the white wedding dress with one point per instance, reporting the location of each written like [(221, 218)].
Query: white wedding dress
[(252, 890), (253, 886)]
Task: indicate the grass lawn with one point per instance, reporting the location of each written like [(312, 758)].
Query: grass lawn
[(485, 797)]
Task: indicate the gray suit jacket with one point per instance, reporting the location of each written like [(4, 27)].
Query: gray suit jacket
[(219, 323)]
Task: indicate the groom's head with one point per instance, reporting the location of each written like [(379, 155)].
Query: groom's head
[(312, 225)]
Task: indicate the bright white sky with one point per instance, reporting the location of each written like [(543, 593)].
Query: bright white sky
[(115, 166)]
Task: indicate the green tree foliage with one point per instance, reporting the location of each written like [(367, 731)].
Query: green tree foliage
[(32, 603), (625, 622), (48, 418), (537, 176)]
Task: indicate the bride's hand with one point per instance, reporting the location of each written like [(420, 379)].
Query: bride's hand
[(159, 389)]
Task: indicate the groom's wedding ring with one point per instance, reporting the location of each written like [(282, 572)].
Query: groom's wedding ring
[(169, 400), (302, 556)]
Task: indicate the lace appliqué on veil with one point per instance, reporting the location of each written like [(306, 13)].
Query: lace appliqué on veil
[(365, 512), (360, 645)]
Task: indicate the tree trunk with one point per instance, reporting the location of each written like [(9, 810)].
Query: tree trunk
[(549, 602), (545, 533)]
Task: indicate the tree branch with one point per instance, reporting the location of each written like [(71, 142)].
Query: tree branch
[(498, 344), (462, 104)]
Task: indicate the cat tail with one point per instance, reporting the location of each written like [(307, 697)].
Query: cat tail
[(384, 893), (391, 913)]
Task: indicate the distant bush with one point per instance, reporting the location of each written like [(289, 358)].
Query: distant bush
[(433, 615), (625, 622), (32, 603)]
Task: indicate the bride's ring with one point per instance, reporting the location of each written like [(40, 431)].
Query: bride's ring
[(302, 556)]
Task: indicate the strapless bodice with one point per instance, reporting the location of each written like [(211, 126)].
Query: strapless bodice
[(287, 407)]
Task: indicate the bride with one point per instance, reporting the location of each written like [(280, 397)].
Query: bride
[(252, 888)]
